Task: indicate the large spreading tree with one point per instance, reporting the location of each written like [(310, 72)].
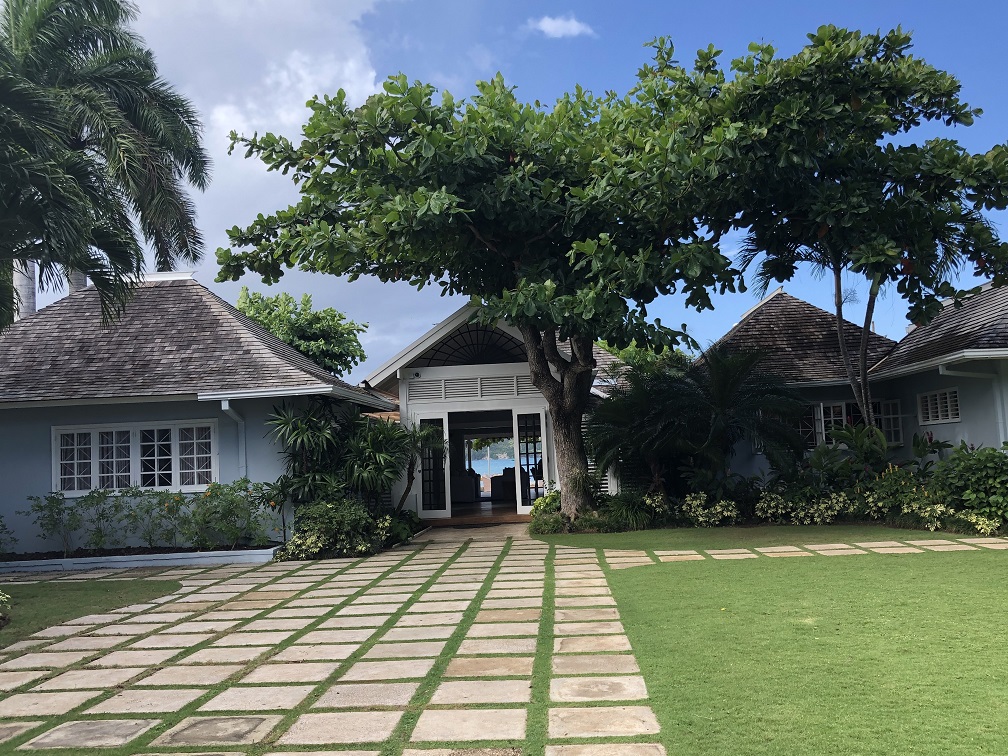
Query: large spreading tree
[(569, 221)]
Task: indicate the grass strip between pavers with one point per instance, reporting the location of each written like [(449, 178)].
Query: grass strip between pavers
[(542, 666)]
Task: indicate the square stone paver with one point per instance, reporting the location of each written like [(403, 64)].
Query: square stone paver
[(682, 558), (588, 628), (402, 669), (146, 658), (586, 615), (102, 733), (581, 689), (145, 701), (253, 639), (291, 673), (950, 547), (86, 643), (412, 650), (483, 691), (827, 546), (490, 666), (95, 679), (476, 646), (210, 674), (35, 704), (223, 655), (580, 644), (435, 618), (367, 695), (509, 615), (588, 664), (503, 629), (466, 725), (879, 544), (602, 721), (897, 550), (43, 660), (842, 552), (11, 730), (11, 680), (315, 653), (318, 637), (258, 698), (341, 727), (419, 633), (171, 640), (201, 731)]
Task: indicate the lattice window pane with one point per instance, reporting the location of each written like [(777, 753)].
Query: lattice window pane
[(156, 458), (195, 456), (114, 459), (75, 461)]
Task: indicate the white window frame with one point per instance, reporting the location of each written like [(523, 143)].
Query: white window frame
[(821, 411), (135, 430), (940, 421)]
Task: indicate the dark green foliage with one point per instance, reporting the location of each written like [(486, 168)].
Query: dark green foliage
[(325, 336), (55, 517), (975, 480), (669, 415), (402, 526), (96, 149), (104, 516), (343, 528)]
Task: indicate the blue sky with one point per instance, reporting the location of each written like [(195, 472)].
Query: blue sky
[(250, 65)]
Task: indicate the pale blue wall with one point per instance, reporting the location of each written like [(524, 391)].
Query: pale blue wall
[(26, 447)]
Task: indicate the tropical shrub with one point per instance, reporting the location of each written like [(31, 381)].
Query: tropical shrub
[(632, 511), (104, 518), (802, 506), (402, 525), (7, 539), (546, 515), (974, 480), (342, 528), (55, 517), (5, 605), (697, 511), (154, 516)]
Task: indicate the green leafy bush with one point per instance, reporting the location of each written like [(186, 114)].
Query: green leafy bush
[(697, 511), (402, 525), (802, 507), (334, 529), (55, 517), (974, 480), (5, 605), (155, 516), (7, 539), (104, 517), (632, 511), (546, 515)]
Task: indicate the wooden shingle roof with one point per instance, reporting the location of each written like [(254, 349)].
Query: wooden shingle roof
[(980, 324), (800, 340), (176, 338)]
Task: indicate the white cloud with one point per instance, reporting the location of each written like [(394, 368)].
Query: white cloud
[(556, 27)]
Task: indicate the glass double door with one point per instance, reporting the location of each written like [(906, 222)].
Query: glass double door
[(530, 468)]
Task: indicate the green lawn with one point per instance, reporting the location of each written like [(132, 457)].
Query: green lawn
[(872, 654), (39, 605), (727, 538)]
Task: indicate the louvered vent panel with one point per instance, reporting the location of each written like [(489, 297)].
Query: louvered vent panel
[(424, 391), (503, 385), (525, 387), (461, 388), (603, 486)]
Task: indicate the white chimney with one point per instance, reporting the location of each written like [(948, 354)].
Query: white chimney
[(77, 281), (24, 285)]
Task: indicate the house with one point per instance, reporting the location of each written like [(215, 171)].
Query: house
[(948, 378), (472, 382), (176, 394)]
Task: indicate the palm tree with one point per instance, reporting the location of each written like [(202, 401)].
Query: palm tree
[(141, 138), (57, 210), (673, 412)]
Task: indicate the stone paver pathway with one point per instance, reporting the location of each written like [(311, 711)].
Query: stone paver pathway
[(618, 559), (422, 651)]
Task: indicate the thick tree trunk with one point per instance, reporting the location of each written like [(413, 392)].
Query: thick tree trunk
[(566, 384)]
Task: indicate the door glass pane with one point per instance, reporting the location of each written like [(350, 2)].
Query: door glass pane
[(432, 495), (530, 458)]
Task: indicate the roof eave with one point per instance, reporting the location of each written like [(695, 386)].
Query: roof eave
[(388, 369), (321, 389), (952, 358)]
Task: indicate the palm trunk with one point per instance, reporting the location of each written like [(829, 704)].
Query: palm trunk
[(852, 377), (866, 409), (567, 393), (410, 477)]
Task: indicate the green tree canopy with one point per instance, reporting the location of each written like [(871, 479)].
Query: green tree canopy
[(325, 336), (570, 220)]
